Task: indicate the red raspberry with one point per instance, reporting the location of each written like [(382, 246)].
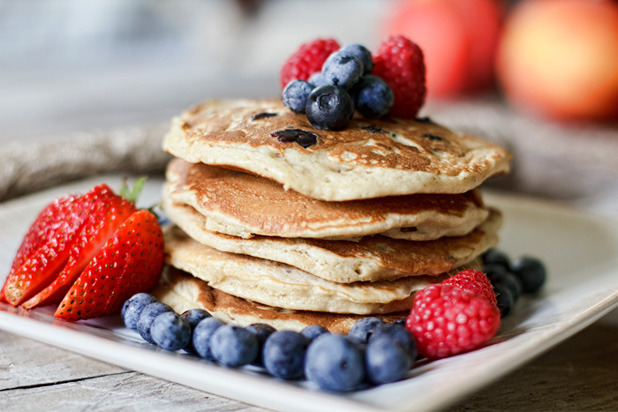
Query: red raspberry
[(307, 60), (400, 63), (474, 281), (446, 320)]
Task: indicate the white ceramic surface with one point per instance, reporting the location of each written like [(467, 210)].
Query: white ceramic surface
[(580, 251)]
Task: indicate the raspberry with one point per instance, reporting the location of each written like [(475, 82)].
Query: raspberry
[(307, 60), (400, 63), (474, 281), (446, 320)]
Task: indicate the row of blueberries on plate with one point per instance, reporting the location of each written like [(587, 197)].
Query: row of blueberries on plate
[(373, 352)]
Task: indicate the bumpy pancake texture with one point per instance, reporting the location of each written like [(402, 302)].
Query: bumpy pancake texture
[(280, 285), (243, 205), (277, 222), (183, 292), (373, 258), (369, 159)]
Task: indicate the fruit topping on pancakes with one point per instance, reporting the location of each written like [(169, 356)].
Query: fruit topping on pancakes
[(329, 90)]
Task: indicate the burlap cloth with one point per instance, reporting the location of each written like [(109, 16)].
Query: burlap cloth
[(31, 166), (563, 161)]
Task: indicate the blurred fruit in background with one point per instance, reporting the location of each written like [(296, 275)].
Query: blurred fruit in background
[(559, 58), (458, 38)]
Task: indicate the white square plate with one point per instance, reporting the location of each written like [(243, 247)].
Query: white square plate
[(580, 251)]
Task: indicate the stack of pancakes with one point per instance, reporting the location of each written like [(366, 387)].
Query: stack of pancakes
[(280, 223)]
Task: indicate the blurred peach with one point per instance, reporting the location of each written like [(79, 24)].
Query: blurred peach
[(559, 58), (458, 38)]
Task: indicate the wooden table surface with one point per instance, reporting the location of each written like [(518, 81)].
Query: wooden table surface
[(580, 374)]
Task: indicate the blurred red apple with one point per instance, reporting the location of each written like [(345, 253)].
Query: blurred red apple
[(458, 38), (559, 58)]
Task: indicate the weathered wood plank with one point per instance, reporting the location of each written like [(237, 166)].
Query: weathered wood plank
[(35, 377), (24, 362), (130, 391), (579, 375)]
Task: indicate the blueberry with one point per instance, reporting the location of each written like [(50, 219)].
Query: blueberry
[(505, 300), (202, 334), (373, 98), (284, 354), (363, 328), (194, 316), (313, 331), (498, 257), (302, 137), (401, 322), (261, 331), (386, 360), (133, 307), (170, 331), (491, 268), (497, 274), (397, 334), (334, 363), (317, 80), (295, 95), (147, 316), (360, 344), (233, 346), (531, 273), (362, 53), (329, 108), (342, 69)]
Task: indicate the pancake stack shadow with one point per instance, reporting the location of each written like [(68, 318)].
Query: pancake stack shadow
[(275, 230)]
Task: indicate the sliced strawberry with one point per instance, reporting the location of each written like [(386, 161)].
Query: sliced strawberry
[(44, 250), (98, 239), (130, 262), (41, 231), (50, 244), (107, 212), (39, 269)]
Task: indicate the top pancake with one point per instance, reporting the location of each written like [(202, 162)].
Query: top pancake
[(370, 158)]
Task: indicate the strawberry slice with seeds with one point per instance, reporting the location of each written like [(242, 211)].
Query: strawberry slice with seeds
[(130, 262), (38, 269), (106, 212), (41, 230), (45, 248)]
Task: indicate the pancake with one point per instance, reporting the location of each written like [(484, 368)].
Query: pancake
[(183, 292), (369, 159), (243, 205), (277, 284), (373, 258)]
